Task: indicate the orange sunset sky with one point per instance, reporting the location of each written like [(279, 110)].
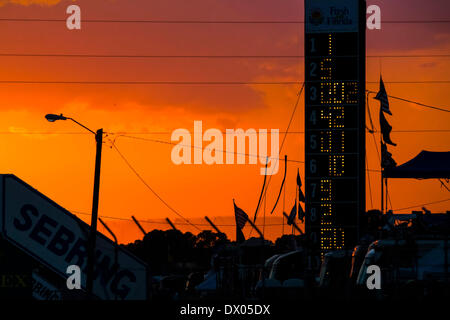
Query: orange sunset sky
[(58, 158)]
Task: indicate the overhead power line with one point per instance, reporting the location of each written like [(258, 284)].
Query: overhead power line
[(56, 133), (417, 131), (164, 21), (265, 188), (206, 148), (151, 82), (197, 82), (421, 205), (414, 102), (164, 222), (151, 189), (233, 225), (149, 56), (420, 104), (280, 132), (170, 132), (218, 150)]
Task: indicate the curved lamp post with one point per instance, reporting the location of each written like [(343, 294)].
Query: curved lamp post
[(93, 230)]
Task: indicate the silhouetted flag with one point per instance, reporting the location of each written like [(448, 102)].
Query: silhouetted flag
[(386, 157), (301, 213), (301, 196), (241, 219), (383, 98), (292, 214), (385, 129)]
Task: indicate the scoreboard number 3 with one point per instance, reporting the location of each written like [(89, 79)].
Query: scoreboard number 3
[(313, 93)]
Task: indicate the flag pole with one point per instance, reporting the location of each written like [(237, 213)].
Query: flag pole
[(382, 177), (297, 192), (387, 193), (284, 202), (294, 225), (256, 228), (264, 221)]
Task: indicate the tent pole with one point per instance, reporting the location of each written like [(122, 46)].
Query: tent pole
[(382, 193), (387, 193), (382, 175)]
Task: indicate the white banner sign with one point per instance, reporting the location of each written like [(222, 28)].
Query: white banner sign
[(42, 290), (57, 239)]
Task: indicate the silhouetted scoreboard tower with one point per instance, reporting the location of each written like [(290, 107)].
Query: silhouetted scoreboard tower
[(334, 123)]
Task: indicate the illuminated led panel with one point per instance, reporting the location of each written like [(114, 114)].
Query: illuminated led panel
[(334, 122), (332, 141)]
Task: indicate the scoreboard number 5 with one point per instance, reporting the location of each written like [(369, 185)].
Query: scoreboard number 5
[(313, 141)]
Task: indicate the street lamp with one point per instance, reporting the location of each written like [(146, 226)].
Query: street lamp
[(93, 230), (54, 117)]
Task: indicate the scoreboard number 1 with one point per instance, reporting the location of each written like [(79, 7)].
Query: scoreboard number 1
[(313, 45)]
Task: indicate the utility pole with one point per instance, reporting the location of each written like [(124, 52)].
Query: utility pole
[(93, 230), (92, 237)]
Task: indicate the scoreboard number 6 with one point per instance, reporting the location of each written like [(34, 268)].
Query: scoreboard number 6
[(313, 166)]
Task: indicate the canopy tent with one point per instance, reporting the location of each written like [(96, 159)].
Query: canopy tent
[(426, 165)]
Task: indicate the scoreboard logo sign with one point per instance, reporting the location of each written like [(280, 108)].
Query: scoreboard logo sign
[(331, 15), (316, 17), (334, 122)]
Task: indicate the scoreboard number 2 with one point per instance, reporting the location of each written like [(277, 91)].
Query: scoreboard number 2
[(312, 69)]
